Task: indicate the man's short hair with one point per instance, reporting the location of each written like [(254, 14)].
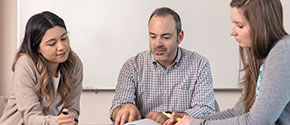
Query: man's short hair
[(165, 11)]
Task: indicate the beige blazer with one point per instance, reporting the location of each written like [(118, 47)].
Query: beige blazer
[(24, 108)]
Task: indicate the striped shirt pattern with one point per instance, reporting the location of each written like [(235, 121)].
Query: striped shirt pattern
[(185, 86)]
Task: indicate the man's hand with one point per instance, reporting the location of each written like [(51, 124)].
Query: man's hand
[(157, 117), (126, 112), (171, 121)]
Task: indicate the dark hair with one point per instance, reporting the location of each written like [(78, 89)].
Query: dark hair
[(36, 27), (165, 11), (265, 18)]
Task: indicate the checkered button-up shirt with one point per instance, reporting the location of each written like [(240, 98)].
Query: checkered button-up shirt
[(185, 86)]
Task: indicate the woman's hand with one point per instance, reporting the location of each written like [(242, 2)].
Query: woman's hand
[(185, 120), (174, 115), (66, 118)]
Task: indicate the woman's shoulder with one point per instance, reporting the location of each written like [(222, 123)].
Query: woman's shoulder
[(77, 59), (24, 60), (78, 62), (284, 42), (281, 49), (25, 65), (78, 70), (282, 45)]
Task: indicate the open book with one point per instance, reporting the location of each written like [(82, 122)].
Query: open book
[(143, 122)]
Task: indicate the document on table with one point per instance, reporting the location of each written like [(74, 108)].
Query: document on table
[(143, 122)]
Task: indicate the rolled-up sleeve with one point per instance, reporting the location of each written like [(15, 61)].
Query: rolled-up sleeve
[(125, 89)]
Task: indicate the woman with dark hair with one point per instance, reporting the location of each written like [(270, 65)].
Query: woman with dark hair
[(47, 79), (265, 65)]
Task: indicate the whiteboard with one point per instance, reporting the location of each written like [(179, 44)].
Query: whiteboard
[(105, 33)]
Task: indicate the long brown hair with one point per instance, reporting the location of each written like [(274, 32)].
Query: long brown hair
[(35, 29), (265, 18)]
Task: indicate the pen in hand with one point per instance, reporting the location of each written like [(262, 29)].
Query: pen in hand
[(168, 114), (66, 113)]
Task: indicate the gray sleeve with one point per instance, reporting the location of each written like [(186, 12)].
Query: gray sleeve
[(274, 92), (125, 89), (229, 113)]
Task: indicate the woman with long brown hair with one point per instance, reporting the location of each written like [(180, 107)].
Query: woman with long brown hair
[(265, 65), (47, 76)]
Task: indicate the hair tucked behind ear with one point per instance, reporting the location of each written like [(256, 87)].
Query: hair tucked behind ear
[(265, 19), (36, 27)]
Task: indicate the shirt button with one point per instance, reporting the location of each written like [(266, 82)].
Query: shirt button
[(165, 108), (165, 91)]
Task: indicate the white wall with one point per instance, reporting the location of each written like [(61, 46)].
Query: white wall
[(111, 32), (94, 106)]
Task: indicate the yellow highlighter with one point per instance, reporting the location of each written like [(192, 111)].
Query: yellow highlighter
[(169, 115)]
